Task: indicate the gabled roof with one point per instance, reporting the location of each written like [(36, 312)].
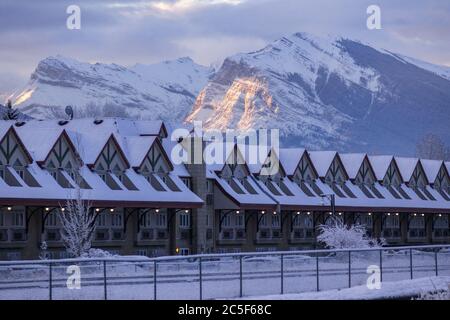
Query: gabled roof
[(431, 168), (69, 141), (322, 160), (5, 130), (352, 163), (139, 147), (255, 160), (380, 165), (290, 159), (119, 149), (406, 167), (447, 166), (4, 127), (39, 141), (227, 148)]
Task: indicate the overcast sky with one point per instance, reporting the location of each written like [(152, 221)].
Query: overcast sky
[(128, 32)]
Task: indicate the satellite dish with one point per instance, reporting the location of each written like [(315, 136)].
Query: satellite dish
[(69, 112)]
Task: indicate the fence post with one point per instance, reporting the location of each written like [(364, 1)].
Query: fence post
[(282, 273), (410, 263), (50, 281), (240, 276), (154, 279), (381, 265), (105, 289), (317, 272), (436, 261), (200, 277), (349, 268)]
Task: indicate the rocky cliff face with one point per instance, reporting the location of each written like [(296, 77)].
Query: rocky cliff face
[(329, 93)]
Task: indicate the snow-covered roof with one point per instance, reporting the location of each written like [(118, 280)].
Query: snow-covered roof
[(406, 167), (352, 163), (431, 168), (322, 161), (290, 159), (134, 139), (380, 165), (244, 198), (138, 148)]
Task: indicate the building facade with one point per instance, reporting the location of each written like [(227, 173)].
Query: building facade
[(147, 204)]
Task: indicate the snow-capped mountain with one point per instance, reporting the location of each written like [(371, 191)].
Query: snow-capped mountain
[(329, 93), (165, 90), (320, 92)]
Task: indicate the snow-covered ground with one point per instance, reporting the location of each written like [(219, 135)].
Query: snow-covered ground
[(389, 290), (175, 279)]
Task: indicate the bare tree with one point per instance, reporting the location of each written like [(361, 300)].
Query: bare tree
[(430, 146), (78, 225), (77, 218)]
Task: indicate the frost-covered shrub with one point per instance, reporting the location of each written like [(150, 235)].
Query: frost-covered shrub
[(96, 253), (338, 235)]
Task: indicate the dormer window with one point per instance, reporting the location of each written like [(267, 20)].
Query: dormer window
[(18, 166)]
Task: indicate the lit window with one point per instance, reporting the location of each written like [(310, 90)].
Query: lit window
[(185, 220)]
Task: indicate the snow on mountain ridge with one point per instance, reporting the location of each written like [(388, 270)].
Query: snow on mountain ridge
[(321, 92), (159, 91), (328, 92)]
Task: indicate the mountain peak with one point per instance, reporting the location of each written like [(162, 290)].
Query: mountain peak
[(321, 92)]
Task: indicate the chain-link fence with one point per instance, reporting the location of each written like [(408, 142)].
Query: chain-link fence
[(219, 275)]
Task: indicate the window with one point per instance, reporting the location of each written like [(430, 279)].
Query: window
[(263, 221), (207, 222), (440, 223), (117, 220), (187, 182), (2, 219), (54, 174), (102, 176), (18, 219), (239, 220), (392, 222), (52, 220), (145, 220), (275, 221), (226, 222), (19, 168), (101, 219), (185, 220), (161, 220), (366, 221), (417, 222)]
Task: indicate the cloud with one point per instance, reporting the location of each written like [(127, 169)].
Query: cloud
[(144, 8), (127, 32)]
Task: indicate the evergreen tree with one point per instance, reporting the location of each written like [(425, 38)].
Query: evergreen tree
[(10, 113)]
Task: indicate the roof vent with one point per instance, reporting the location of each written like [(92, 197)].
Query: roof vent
[(98, 121), (63, 122), (19, 123)]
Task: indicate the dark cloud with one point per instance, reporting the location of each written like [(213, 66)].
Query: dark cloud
[(127, 32)]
